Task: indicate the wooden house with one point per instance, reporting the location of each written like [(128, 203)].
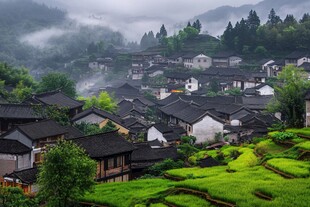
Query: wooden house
[(112, 153)]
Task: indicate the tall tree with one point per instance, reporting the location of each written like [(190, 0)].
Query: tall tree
[(273, 19), (57, 81), (289, 20), (228, 36), (197, 25), (253, 21), (289, 95), (188, 24), (163, 31), (66, 174), (305, 18)]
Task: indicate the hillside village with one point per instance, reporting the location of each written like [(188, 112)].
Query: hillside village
[(219, 99)]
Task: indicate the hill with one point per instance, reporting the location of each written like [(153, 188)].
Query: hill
[(216, 20)]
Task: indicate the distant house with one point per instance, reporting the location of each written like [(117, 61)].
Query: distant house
[(59, 99), (192, 84), (195, 60), (36, 135), (273, 69), (13, 114), (128, 109), (100, 117), (155, 70), (177, 78), (176, 59), (14, 156), (25, 179), (112, 154), (226, 59), (297, 58), (262, 90), (147, 155), (125, 91), (306, 67), (264, 63), (164, 134)]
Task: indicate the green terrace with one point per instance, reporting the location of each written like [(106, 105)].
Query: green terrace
[(268, 173)]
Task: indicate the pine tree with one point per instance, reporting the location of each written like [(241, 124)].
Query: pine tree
[(305, 18), (273, 19), (188, 24), (198, 25), (253, 20), (289, 20), (228, 36), (163, 31)]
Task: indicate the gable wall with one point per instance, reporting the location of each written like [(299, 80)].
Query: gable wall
[(205, 129), (266, 90), (16, 135), (153, 134)]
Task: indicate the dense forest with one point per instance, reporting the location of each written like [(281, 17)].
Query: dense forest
[(276, 35)]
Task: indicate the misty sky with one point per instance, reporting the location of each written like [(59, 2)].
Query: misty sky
[(125, 15)]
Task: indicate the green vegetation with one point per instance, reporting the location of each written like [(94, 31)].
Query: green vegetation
[(304, 145), (90, 129), (245, 160), (197, 172), (128, 194), (14, 196), (104, 101), (293, 167), (282, 136), (66, 174), (158, 205), (268, 146), (159, 169), (185, 200)]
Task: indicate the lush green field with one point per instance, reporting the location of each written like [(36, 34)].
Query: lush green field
[(128, 193), (293, 167), (245, 160), (238, 182), (239, 188), (186, 200)]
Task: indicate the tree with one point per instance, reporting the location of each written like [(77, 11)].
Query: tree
[(104, 101), (57, 81), (273, 19), (90, 129), (66, 174), (197, 25), (163, 31), (20, 93), (60, 115), (14, 196), (305, 18), (289, 20), (188, 24), (289, 95), (228, 36), (187, 148), (253, 21)]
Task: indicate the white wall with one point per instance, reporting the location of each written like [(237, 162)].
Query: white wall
[(205, 129), (302, 60), (16, 135), (234, 61), (202, 61), (266, 90), (191, 84), (153, 134), (24, 161), (158, 72), (91, 118)]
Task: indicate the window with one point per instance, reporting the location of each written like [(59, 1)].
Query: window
[(205, 60), (127, 160), (119, 161), (110, 163), (199, 60), (189, 87), (189, 128), (190, 80)]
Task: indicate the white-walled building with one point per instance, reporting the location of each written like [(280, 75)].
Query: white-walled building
[(199, 61)]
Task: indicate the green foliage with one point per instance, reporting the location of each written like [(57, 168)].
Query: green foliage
[(245, 160), (218, 136), (159, 169), (66, 174), (128, 194), (186, 200), (90, 129), (14, 197), (282, 136), (104, 101), (60, 115), (293, 167), (57, 81), (188, 140), (289, 95), (268, 146), (304, 145)]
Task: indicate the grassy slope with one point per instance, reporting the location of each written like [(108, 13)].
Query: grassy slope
[(237, 187)]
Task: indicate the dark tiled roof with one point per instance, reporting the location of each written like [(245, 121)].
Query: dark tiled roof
[(174, 107), (125, 90), (57, 98), (190, 55), (224, 72), (155, 68), (305, 66), (166, 152), (224, 54), (175, 56), (179, 76), (144, 101), (104, 144), (8, 146), (264, 61), (98, 112), (72, 132), (41, 129), (256, 102), (18, 111), (127, 107), (297, 55), (28, 176), (2, 100), (278, 62), (170, 137), (163, 128), (171, 98), (155, 143), (250, 91)]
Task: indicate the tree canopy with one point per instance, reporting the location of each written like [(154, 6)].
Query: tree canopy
[(289, 95), (104, 101), (66, 174), (57, 81)]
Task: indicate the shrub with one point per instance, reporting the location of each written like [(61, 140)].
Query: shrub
[(159, 168), (282, 136)]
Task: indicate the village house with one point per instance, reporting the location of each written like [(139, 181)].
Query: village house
[(297, 58), (14, 156), (176, 59), (111, 152), (13, 114), (264, 63), (59, 99), (273, 69), (36, 135), (165, 134), (259, 90), (96, 116), (226, 59), (192, 84), (198, 61), (125, 91)]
